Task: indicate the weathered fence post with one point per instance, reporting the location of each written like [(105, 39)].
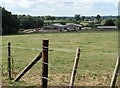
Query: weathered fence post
[(9, 61), (32, 63), (45, 63), (74, 68), (116, 72)]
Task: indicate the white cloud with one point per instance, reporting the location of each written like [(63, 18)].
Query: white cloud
[(9, 3), (20, 3), (78, 1), (29, 3), (85, 6), (25, 3), (65, 7)]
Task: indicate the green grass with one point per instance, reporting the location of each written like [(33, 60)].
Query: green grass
[(58, 21), (90, 44), (84, 23)]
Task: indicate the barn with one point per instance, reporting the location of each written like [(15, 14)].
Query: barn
[(68, 27), (107, 27)]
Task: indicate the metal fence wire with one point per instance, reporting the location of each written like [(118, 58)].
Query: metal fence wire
[(58, 69)]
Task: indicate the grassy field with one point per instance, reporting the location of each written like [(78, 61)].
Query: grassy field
[(97, 60), (54, 21)]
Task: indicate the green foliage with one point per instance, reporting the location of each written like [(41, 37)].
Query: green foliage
[(77, 17), (63, 18), (82, 18), (63, 23), (10, 23), (49, 17), (98, 17), (76, 21), (117, 22), (28, 22), (91, 24), (69, 19), (98, 25), (21, 29), (109, 22)]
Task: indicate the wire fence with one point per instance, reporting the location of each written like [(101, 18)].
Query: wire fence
[(21, 58), (55, 49)]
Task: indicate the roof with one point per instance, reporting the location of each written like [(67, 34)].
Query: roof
[(59, 25), (68, 25), (74, 25), (64, 26), (113, 27)]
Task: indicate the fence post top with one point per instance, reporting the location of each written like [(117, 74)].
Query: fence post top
[(78, 49), (45, 40)]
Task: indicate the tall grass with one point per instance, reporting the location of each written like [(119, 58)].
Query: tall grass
[(90, 43)]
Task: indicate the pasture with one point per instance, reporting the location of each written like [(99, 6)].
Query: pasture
[(56, 21), (99, 51)]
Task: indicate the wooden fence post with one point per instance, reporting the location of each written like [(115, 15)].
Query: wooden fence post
[(45, 63), (74, 68), (9, 61), (34, 61), (116, 72)]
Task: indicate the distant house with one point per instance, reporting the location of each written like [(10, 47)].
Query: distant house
[(73, 27), (103, 21), (95, 21), (107, 27), (86, 19), (68, 27)]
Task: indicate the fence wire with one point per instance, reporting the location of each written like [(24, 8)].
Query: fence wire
[(53, 49), (16, 69)]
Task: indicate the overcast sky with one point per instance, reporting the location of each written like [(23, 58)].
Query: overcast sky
[(61, 7)]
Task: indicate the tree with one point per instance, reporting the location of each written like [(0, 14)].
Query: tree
[(91, 24), (98, 17), (10, 23), (77, 17), (63, 23), (29, 22), (75, 21), (69, 19), (53, 18), (39, 23), (116, 22), (109, 22), (82, 18), (63, 18)]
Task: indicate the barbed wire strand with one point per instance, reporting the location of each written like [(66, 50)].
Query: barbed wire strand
[(55, 81), (71, 68), (75, 69), (60, 66), (65, 67), (53, 49), (28, 75)]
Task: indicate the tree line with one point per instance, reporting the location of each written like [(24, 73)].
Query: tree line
[(11, 23)]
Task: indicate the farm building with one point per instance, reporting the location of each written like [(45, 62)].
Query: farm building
[(68, 27), (107, 27)]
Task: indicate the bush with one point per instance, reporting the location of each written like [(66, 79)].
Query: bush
[(109, 22)]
